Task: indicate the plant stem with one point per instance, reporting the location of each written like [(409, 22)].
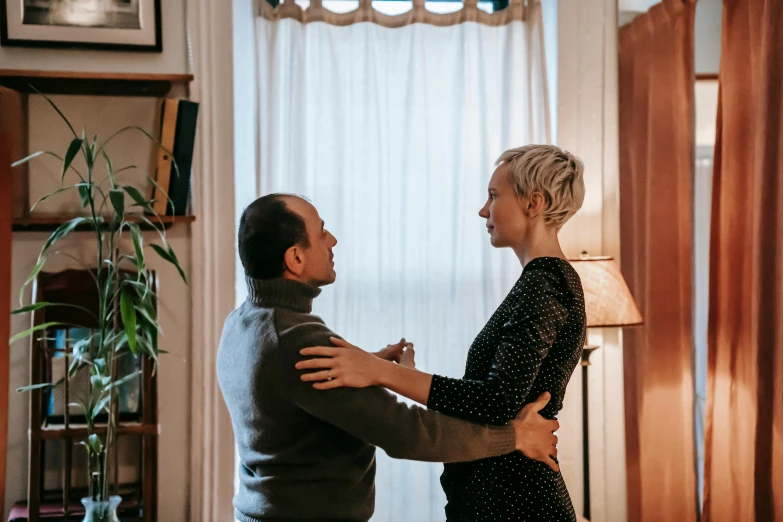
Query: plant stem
[(102, 479), (91, 490), (101, 462), (112, 372), (94, 481)]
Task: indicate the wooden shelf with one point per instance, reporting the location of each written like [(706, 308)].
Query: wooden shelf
[(92, 83), (50, 223), (58, 431)]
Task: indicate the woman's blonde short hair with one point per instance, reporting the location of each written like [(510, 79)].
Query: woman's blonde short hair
[(552, 171)]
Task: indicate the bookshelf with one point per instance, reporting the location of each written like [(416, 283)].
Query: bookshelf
[(50, 223), (17, 84), (15, 87), (92, 83)]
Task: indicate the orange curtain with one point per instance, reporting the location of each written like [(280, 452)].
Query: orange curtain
[(656, 82), (743, 479)]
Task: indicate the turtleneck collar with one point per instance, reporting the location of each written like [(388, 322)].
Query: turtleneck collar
[(281, 292)]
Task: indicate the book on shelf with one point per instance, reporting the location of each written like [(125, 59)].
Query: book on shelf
[(177, 138)]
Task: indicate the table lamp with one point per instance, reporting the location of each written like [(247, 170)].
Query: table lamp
[(608, 304)]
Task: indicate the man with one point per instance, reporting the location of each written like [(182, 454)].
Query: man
[(307, 454)]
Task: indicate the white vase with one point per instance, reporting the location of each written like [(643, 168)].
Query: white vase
[(101, 511)]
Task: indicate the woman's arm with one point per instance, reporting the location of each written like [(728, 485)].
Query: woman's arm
[(408, 382), (536, 317), (350, 366)]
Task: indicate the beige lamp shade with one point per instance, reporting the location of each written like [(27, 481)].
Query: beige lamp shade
[(608, 302)]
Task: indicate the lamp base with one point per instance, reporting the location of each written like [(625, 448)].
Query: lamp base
[(586, 351)]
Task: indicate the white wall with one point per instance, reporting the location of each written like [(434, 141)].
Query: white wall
[(709, 17), (587, 126), (173, 59), (104, 115)]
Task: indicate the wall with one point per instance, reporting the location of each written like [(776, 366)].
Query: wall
[(173, 59), (587, 126), (106, 114), (709, 17)]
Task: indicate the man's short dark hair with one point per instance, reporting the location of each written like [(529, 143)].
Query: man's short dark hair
[(267, 229)]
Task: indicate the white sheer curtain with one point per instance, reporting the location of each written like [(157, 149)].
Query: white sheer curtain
[(392, 133)]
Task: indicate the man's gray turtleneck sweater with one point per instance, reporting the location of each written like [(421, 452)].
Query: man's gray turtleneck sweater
[(307, 454)]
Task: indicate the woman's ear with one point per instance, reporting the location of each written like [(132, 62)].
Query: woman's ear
[(535, 204)]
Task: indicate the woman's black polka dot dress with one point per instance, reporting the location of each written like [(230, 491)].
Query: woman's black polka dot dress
[(531, 344)]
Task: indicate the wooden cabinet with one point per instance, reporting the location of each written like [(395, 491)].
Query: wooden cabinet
[(52, 421)]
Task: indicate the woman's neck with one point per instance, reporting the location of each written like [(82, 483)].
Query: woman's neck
[(542, 242)]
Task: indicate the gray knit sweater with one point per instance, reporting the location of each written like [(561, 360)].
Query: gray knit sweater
[(307, 454)]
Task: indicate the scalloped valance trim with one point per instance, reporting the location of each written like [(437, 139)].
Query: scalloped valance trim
[(516, 11)]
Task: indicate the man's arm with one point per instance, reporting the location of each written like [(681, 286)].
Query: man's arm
[(377, 417)]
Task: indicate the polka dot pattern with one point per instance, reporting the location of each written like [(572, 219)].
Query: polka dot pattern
[(531, 344)]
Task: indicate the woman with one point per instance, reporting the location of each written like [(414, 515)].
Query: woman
[(531, 344)]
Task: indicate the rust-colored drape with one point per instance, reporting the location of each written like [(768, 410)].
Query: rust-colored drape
[(656, 82), (743, 450)]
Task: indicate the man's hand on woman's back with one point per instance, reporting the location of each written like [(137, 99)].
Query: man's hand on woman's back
[(535, 435)]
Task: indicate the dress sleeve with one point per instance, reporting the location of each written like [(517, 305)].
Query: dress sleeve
[(537, 314)]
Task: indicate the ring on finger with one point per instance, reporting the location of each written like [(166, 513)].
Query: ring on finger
[(329, 376)]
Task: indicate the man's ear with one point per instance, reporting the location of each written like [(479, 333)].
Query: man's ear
[(294, 260)]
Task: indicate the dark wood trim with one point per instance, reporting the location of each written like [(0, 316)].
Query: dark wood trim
[(707, 76), (149, 443), (51, 433), (13, 121), (71, 75), (91, 83), (36, 457), (157, 47), (47, 223), (5, 303)]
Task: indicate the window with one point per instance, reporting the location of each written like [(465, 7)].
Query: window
[(706, 99), (396, 7)]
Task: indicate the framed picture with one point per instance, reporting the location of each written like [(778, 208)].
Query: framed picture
[(123, 25)]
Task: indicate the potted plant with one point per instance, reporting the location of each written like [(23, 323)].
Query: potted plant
[(127, 319)]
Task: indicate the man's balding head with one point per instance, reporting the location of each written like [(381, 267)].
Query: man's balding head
[(282, 235)]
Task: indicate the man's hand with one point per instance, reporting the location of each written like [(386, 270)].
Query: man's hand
[(535, 434), (392, 352)]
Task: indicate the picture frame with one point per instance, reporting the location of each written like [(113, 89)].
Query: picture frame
[(118, 25)]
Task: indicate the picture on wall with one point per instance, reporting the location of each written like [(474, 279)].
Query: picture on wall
[(128, 25)]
